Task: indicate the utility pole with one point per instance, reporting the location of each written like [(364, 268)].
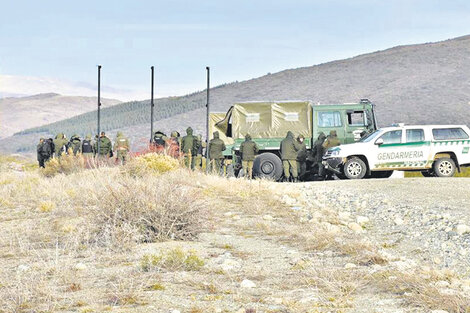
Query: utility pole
[(207, 118), (152, 105), (99, 107)]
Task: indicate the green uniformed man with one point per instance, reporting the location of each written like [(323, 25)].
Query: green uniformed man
[(40, 149), (122, 147), (216, 157), (75, 144), (87, 147), (248, 151), (60, 145), (331, 141), (317, 153), (189, 148), (200, 148), (289, 149), (301, 157), (106, 147)]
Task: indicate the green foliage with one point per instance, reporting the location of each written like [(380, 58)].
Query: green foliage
[(152, 163)]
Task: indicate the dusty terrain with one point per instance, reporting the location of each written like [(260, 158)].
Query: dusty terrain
[(396, 245)]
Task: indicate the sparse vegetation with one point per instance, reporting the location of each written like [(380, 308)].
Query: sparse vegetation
[(172, 260)]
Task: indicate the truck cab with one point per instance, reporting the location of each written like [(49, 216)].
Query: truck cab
[(269, 121)]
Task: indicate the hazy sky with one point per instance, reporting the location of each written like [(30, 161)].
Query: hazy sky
[(56, 45)]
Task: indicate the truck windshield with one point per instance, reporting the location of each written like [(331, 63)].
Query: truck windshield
[(371, 136)]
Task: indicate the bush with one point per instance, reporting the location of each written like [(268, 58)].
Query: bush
[(66, 164), (153, 163), (156, 209), (172, 260)]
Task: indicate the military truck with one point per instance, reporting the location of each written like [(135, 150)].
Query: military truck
[(268, 123)]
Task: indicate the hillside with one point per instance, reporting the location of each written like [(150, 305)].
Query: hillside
[(423, 83), (213, 244), (18, 113)]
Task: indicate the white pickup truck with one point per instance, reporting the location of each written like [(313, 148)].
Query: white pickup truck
[(434, 150)]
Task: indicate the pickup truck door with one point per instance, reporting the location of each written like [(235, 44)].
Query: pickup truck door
[(385, 154)]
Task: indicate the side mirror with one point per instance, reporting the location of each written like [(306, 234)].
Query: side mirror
[(379, 142)]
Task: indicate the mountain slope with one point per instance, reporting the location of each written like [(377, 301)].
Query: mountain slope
[(37, 110), (423, 83)]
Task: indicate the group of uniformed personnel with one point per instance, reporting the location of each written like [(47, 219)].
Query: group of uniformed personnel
[(55, 148), (293, 151)]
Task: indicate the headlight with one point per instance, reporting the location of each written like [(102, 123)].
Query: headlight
[(335, 152)]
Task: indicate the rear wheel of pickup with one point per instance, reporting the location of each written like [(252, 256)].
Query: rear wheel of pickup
[(267, 165), (444, 167), (355, 168)]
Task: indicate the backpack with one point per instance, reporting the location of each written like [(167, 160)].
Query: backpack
[(86, 146)]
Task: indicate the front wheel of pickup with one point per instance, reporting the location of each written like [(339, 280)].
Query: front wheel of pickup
[(355, 168), (444, 167)]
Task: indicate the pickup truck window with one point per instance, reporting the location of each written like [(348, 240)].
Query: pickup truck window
[(393, 136), (414, 135), (449, 134), (329, 119)]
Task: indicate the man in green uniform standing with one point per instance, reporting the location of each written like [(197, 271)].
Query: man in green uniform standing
[(216, 147), (317, 153), (60, 145), (301, 157), (331, 141), (289, 149), (122, 147), (43, 152), (106, 147), (189, 148), (75, 144), (248, 151), (201, 145)]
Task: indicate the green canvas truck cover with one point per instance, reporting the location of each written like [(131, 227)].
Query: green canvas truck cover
[(271, 119), (215, 118)]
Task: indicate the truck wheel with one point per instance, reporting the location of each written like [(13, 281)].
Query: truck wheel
[(381, 174), (428, 173), (444, 167), (267, 165), (355, 168)]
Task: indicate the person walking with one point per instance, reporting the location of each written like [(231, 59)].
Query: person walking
[(189, 148), (301, 157), (248, 151), (122, 148), (317, 153), (216, 157)]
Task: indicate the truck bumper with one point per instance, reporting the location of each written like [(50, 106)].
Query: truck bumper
[(333, 164)]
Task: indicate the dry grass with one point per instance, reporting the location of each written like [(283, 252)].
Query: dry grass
[(419, 289)]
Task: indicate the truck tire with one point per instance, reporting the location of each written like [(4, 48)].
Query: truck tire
[(355, 168), (428, 173), (444, 167), (268, 165), (381, 174)]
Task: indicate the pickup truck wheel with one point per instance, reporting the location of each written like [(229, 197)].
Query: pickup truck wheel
[(268, 165), (428, 173), (444, 167), (355, 168), (381, 174)]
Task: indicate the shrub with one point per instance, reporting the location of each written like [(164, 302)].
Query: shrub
[(153, 163), (66, 164), (172, 260), (134, 210)]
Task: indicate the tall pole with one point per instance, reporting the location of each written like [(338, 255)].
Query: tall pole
[(207, 118), (151, 105), (99, 106)]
